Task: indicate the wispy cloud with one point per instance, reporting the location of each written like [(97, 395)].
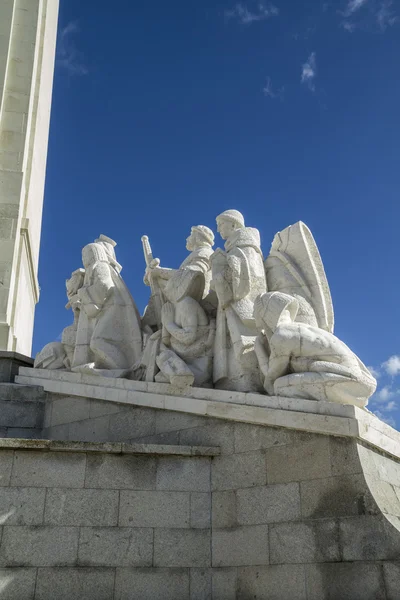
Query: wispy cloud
[(385, 17), (392, 366), (245, 15), (69, 57), (309, 72), (374, 372), (384, 394), (353, 6), (269, 91)]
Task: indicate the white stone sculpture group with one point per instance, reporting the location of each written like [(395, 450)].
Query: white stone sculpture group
[(226, 319)]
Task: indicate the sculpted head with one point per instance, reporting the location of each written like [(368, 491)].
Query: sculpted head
[(272, 309), (75, 282), (200, 235), (228, 222), (93, 253)]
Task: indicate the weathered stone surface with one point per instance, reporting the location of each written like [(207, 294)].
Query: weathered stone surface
[(101, 408), (200, 510), (22, 506), (391, 573), (345, 459), (224, 583), (179, 474), (81, 507), (344, 496), (268, 504), (173, 421), (6, 462), (224, 509), (182, 548), (341, 581), (316, 541), (210, 434), (200, 584), (68, 410), (297, 462), (75, 584), (154, 509), (17, 583), (90, 430), (17, 413), (48, 469), (272, 583), (115, 547), (238, 471), (248, 437), (130, 424), (157, 584), (370, 538), (120, 472), (240, 546), (38, 546)]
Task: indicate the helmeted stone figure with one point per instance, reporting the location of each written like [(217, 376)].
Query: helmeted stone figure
[(303, 361), (109, 338), (238, 277)]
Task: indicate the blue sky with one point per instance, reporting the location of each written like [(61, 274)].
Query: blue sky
[(167, 113)]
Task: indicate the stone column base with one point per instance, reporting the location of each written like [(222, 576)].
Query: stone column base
[(10, 362)]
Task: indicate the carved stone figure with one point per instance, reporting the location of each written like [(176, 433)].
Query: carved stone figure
[(303, 361), (109, 338), (294, 267), (184, 355), (59, 355), (238, 277)]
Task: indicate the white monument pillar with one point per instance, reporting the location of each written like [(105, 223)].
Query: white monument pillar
[(28, 30)]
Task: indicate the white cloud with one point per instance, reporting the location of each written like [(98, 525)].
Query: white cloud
[(392, 365), (384, 16), (269, 92), (353, 6), (69, 58), (309, 71), (374, 372), (384, 394), (245, 16)]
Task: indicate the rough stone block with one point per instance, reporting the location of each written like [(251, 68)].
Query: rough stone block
[(68, 410), (25, 433), (38, 546), (250, 437), (210, 434), (344, 456), (238, 471), (391, 573), (175, 421), (200, 510), (132, 423), (171, 438), (370, 538), (6, 462), (121, 472), (316, 541), (48, 469), (224, 509), (183, 474), (182, 548), (81, 507), (268, 504), (22, 506), (341, 581), (157, 584), (74, 584), (309, 459), (115, 547), (101, 408), (60, 432), (17, 584), (345, 496), (283, 582), (224, 583), (154, 509), (200, 584), (90, 430), (16, 413), (240, 546)]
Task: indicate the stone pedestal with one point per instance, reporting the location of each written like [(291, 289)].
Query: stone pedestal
[(27, 48), (222, 495), (10, 362)]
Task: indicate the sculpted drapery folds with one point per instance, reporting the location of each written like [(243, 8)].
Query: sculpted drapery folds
[(238, 277)]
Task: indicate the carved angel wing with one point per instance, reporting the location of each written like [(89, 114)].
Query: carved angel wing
[(294, 266)]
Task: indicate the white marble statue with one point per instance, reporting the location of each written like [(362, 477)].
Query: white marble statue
[(238, 277), (185, 345), (59, 355), (109, 337), (299, 360)]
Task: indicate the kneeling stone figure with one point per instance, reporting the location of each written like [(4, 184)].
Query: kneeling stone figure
[(303, 361)]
